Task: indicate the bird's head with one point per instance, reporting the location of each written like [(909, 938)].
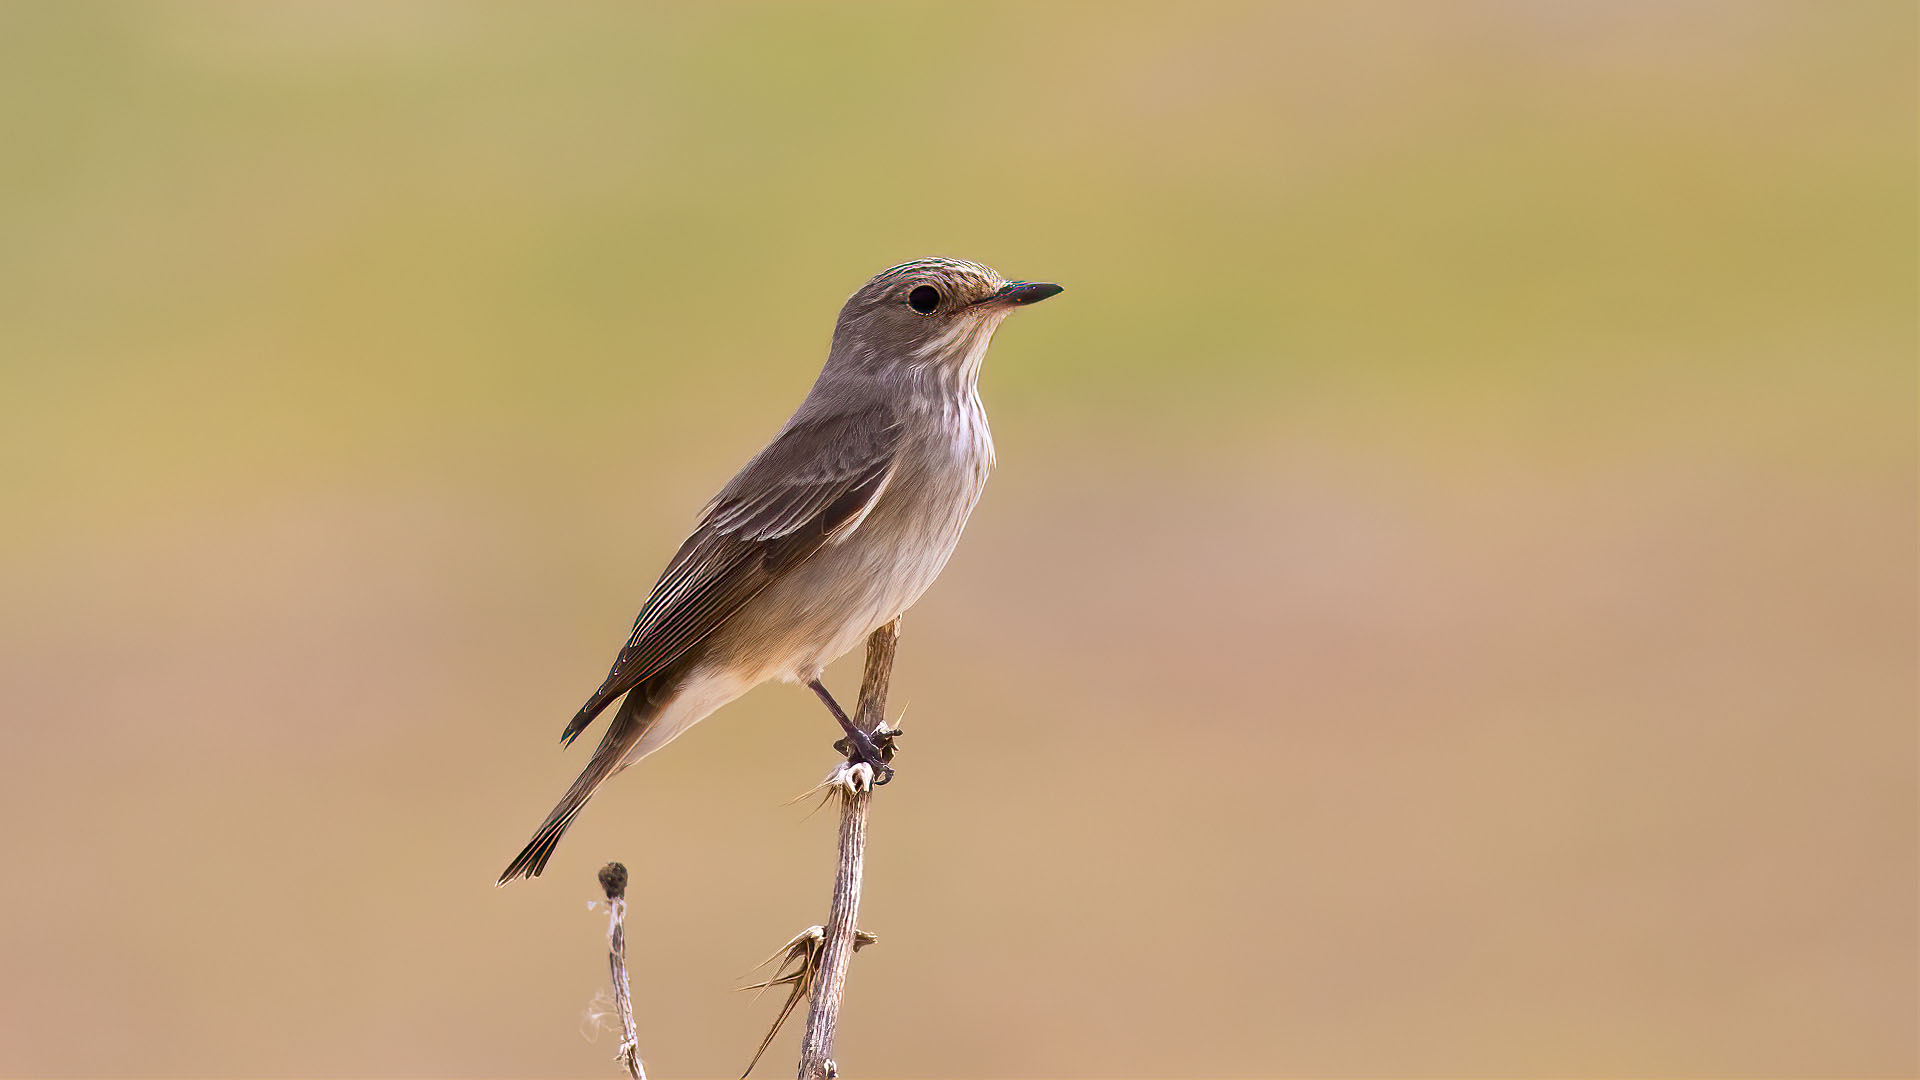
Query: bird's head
[(934, 315)]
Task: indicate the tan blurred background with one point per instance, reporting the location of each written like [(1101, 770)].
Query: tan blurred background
[(1446, 607)]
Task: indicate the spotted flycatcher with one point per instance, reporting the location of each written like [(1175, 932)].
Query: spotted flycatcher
[(829, 533)]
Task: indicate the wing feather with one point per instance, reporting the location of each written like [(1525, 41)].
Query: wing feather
[(813, 483)]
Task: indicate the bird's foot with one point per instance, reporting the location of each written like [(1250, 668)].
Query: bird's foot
[(872, 750), (868, 752)]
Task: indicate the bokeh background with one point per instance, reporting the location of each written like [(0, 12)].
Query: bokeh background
[(1446, 607)]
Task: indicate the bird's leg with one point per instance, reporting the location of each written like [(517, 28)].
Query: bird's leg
[(864, 750)]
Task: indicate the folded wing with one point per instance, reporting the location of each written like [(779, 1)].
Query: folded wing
[(813, 485)]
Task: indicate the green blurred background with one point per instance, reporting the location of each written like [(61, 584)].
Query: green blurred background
[(1446, 606)]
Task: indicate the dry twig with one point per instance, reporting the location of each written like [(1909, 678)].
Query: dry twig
[(815, 962), (823, 953), (613, 878)]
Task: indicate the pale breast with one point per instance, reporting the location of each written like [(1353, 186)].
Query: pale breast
[(946, 487), (851, 588)]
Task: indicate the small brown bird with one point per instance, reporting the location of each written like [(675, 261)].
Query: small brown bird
[(830, 532)]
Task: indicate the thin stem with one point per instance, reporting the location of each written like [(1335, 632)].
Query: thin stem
[(613, 878), (855, 785)]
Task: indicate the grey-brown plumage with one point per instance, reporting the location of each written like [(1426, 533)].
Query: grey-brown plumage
[(831, 531)]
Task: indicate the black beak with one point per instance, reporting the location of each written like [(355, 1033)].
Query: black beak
[(1024, 292)]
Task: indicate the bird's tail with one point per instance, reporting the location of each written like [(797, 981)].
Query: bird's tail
[(631, 722)]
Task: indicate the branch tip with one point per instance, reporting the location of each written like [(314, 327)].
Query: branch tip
[(613, 878)]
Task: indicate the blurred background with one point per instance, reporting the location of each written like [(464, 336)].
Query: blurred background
[(1446, 605)]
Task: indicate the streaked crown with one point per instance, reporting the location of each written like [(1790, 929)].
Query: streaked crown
[(930, 313)]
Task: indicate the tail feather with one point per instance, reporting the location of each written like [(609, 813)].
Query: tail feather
[(626, 729)]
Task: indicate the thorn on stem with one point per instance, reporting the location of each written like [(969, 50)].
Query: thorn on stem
[(799, 967)]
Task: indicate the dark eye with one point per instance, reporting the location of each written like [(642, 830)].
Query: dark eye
[(923, 299)]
